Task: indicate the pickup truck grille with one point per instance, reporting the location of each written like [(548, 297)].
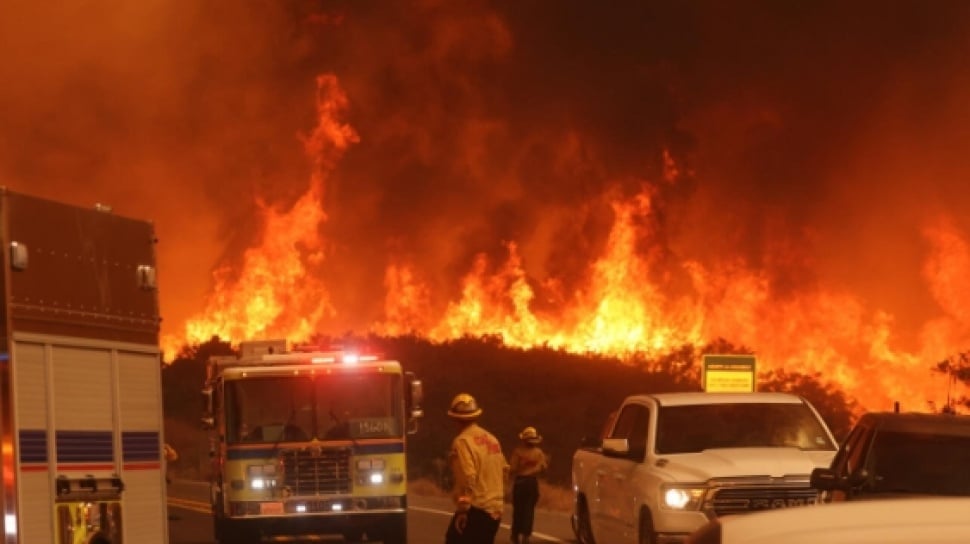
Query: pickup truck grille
[(738, 500), (317, 471)]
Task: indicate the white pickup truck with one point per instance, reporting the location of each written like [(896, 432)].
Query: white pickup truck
[(669, 462)]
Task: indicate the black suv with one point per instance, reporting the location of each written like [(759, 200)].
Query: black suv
[(889, 454)]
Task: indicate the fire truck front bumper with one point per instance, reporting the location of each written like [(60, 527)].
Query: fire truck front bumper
[(305, 520)]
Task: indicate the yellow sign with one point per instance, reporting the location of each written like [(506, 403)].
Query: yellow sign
[(728, 374)]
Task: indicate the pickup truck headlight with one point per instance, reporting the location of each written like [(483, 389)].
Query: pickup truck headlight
[(683, 498)]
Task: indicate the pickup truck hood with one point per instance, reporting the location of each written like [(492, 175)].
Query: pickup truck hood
[(741, 462)]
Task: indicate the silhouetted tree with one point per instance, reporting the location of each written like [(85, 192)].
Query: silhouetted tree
[(957, 368), (182, 379)]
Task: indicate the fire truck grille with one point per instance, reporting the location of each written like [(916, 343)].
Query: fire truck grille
[(317, 471), (750, 499)]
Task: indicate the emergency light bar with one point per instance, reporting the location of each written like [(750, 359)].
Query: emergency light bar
[(263, 352), (318, 358)]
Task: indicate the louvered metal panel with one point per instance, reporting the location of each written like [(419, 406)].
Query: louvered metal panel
[(139, 389), (83, 395)]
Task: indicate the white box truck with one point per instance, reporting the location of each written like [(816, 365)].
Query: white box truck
[(80, 385)]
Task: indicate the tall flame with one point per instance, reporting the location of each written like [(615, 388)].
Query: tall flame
[(276, 292)]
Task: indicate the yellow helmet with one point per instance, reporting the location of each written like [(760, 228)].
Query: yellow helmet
[(464, 407), (530, 435)]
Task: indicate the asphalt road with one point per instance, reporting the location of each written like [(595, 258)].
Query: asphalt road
[(190, 521)]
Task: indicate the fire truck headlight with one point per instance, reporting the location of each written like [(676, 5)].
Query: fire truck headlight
[(261, 476), (371, 471)]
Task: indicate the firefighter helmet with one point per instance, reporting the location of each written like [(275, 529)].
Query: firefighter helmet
[(530, 435), (464, 407)]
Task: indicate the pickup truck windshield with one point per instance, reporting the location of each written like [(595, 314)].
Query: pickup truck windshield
[(332, 407), (695, 428)]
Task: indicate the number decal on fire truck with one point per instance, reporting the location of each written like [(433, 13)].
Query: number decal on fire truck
[(373, 427)]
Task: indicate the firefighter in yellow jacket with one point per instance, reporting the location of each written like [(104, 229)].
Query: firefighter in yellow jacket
[(527, 462), (480, 470)]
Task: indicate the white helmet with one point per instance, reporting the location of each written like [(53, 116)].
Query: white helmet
[(530, 435), (464, 407)]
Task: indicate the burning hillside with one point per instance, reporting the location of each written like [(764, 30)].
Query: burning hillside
[(788, 178), (624, 303)]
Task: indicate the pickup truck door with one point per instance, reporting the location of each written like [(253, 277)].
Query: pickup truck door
[(617, 479), (850, 458)]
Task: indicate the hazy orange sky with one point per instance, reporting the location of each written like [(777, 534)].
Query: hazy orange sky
[(821, 144)]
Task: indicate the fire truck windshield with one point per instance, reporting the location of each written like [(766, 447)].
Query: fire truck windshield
[(299, 408)]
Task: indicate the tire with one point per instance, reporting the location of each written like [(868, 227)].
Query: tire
[(218, 524), (581, 524), (645, 534)]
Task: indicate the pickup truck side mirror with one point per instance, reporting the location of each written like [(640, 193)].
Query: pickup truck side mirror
[(620, 447), (616, 447), (823, 479)]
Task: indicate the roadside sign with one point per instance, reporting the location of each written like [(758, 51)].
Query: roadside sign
[(728, 373)]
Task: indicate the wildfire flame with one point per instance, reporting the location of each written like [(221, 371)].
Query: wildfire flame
[(276, 292), (621, 308)]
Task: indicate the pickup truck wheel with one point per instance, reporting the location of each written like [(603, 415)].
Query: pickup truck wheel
[(581, 525), (646, 534)]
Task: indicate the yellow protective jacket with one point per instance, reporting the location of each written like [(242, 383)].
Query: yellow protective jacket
[(479, 468), (527, 460)]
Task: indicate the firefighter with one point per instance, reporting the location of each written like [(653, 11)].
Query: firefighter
[(527, 462), (480, 470), (170, 457)]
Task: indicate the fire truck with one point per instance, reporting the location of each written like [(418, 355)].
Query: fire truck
[(309, 442), (80, 375)]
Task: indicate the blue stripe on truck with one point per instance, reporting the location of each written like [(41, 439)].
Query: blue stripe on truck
[(84, 446), (33, 446), (140, 446), (89, 446)]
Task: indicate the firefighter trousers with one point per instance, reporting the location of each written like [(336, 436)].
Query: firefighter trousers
[(480, 529), (525, 495)]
